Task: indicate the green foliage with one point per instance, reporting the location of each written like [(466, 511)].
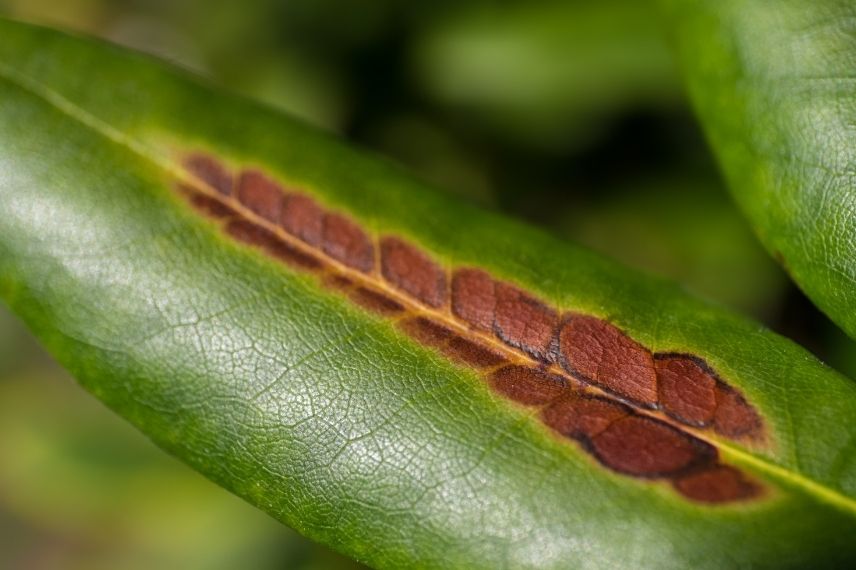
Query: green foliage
[(773, 85), (548, 72), (326, 417)]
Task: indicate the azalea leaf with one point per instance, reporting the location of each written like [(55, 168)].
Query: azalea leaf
[(772, 84), (411, 380)]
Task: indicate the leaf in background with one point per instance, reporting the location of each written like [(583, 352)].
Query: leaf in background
[(773, 85), (406, 378), (548, 73)]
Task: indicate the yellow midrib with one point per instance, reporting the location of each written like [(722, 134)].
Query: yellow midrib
[(76, 113)]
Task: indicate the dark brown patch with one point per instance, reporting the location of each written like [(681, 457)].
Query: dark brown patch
[(524, 322), (528, 386), (260, 194), (376, 301), (717, 484), (471, 353), (646, 447), (345, 241), (303, 218), (210, 207), (600, 353), (687, 389), (252, 234), (337, 282), (409, 269), (474, 298), (210, 171), (734, 416), (425, 330), (583, 417)]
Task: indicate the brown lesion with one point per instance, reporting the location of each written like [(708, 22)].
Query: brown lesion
[(474, 298), (524, 322), (527, 385), (346, 242), (598, 352), (376, 301), (636, 412), (406, 268)]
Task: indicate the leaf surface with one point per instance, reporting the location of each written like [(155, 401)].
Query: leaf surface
[(414, 381), (773, 84)]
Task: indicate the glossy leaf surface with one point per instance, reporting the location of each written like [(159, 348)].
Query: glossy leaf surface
[(326, 415), (772, 82)]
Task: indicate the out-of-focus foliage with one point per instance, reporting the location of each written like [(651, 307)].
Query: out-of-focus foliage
[(567, 114), (551, 73)]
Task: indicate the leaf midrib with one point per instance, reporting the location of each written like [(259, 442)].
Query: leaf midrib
[(41, 91)]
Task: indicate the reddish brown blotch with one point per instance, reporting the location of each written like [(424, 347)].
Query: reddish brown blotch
[(526, 385), (472, 353), (717, 484), (524, 322), (211, 207), (346, 242), (268, 241), (376, 301), (426, 330), (303, 218), (408, 269), (735, 418), (211, 172), (601, 354), (687, 389), (474, 298), (260, 194)]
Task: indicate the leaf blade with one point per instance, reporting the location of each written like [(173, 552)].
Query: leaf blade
[(770, 85), (121, 280)]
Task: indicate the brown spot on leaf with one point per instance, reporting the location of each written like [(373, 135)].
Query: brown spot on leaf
[(687, 389), (474, 298), (346, 242), (376, 301), (645, 447), (472, 354), (600, 353), (337, 282), (717, 484), (260, 194), (734, 416), (426, 331), (583, 417), (210, 171), (210, 207), (524, 322), (252, 234), (303, 218), (526, 385), (409, 269)]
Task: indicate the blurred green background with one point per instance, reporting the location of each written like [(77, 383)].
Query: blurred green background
[(566, 113)]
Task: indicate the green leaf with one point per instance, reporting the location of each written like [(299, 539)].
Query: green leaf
[(266, 376), (548, 73), (772, 82)]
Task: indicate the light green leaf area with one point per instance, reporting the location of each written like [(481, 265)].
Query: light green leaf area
[(773, 83), (325, 416)]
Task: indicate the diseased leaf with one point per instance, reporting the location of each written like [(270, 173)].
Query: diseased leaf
[(773, 84), (406, 378)]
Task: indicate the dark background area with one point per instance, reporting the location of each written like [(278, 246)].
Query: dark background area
[(568, 113)]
